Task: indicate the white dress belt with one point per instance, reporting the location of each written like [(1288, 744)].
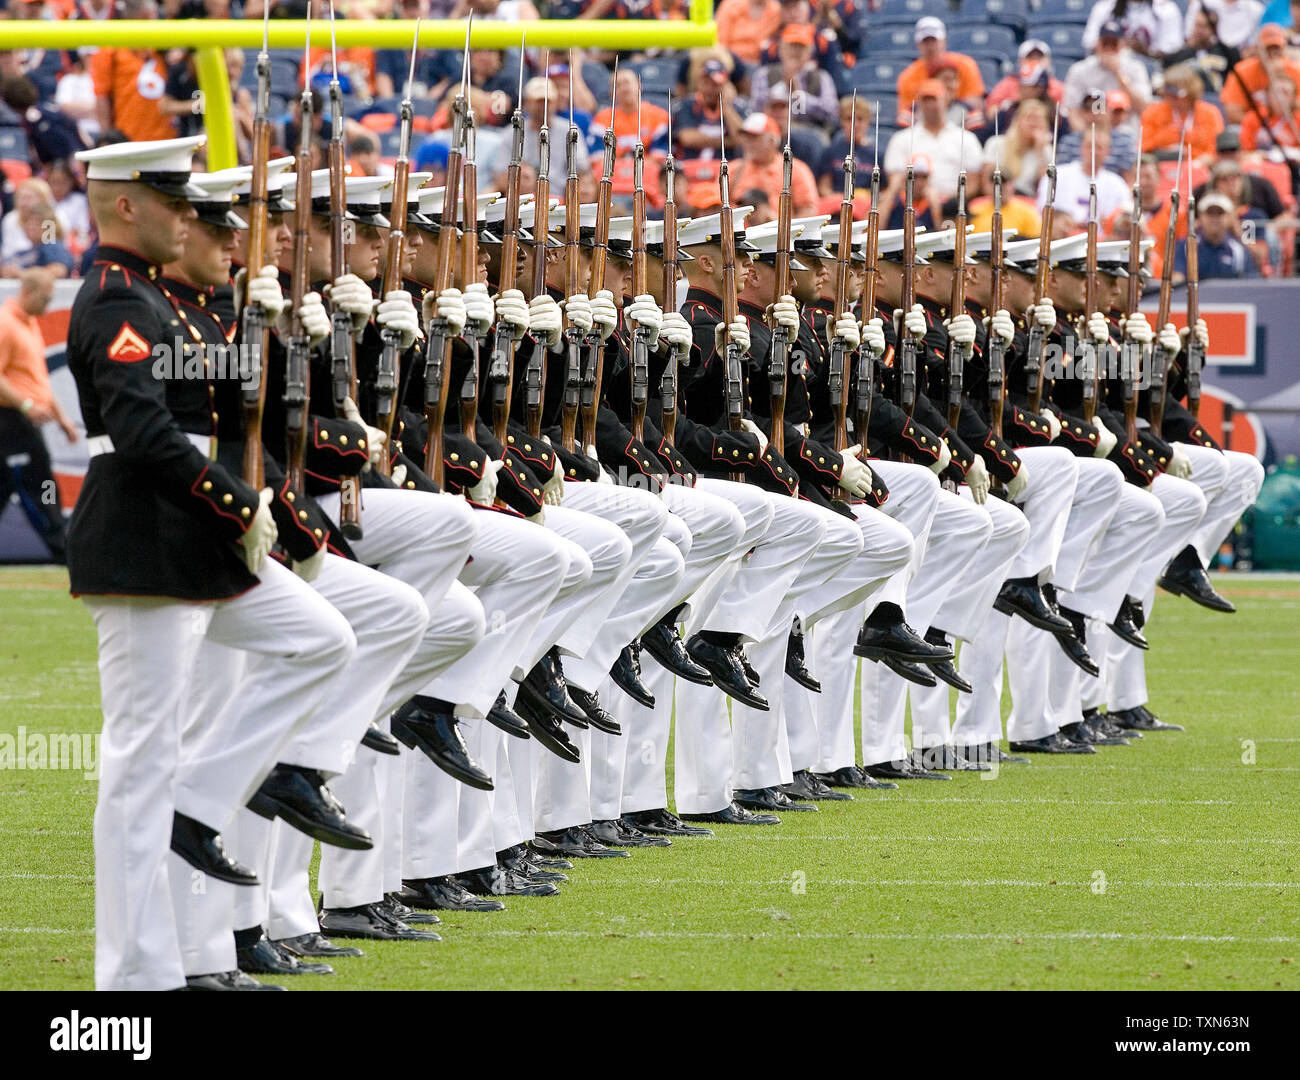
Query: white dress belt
[(103, 444)]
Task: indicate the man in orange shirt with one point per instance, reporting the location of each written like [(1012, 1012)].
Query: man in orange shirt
[(1181, 109), (1254, 73), (743, 26), (129, 85), (763, 167), (622, 117), (932, 43), (27, 402)]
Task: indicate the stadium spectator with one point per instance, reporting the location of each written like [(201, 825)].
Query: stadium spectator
[(1181, 110), (1112, 66), (830, 168), (70, 203), (1219, 253), (535, 95), (697, 123), (815, 101), (1235, 21), (763, 211), (130, 83), (1023, 150), (1032, 81), (826, 40), (51, 134), (1155, 211), (363, 154), (760, 137), (32, 193), (931, 38), (393, 65), (893, 198), (1211, 58), (45, 247), (1250, 78), (75, 97), (102, 9), (27, 403), (1113, 111), (623, 117), (1253, 224), (1148, 27), (1229, 177), (1074, 178), (940, 143), (743, 26), (1283, 129), (181, 99)]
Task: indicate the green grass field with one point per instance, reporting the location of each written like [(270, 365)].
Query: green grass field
[(1171, 864)]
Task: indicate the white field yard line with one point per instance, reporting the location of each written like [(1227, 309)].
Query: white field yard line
[(1004, 840), (964, 883), (1018, 937)]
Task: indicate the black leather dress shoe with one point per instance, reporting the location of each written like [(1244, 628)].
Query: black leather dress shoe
[(1104, 725), (914, 673), (204, 850), (989, 753), (502, 716), (444, 894), (500, 881), (663, 823), (267, 958), (369, 921), (626, 674), (378, 740), (768, 798), (1139, 718), (316, 945), (600, 717), (1185, 576), (392, 906), (546, 729), (795, 665), (807, 786), (1126, 627), (1075, 643), (851, 776), (945, 759), (550, 862), (576, 843), (1055, 743), (544, 688), (726, 671), (664, 643), (299, 797), (436, 733), (735, 814), (904, 769), (887, 639), (1023, 597), (615, 832), (1081, 733), (522, 861), (227, 980), (946, 670), (742, 658)]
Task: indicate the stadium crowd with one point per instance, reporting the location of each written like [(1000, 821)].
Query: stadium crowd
[(981, 82)]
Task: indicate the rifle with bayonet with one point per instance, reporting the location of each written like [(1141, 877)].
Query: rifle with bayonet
[(866, 376), (594, 344), (1037, 334), (958, 354), (779, 360), (437, 355), (1195, 353), (641, 335), (474, 332), (907, 345), (838, 361), (1131, 351), (1089, 369), (253, 329), (535, 372), (668, 385), (1160, 360), (501, 365), (997, 348), (572, 275), (733, 357), (297, 392)]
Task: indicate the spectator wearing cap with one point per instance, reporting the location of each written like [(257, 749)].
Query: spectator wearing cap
[(1148, 27), (931, 38), (1250, 78), (1111, 110), (1283, 127), (743, 26), (1023, 150), (697, 122), (535, 97), (830, 167), (1205, 51), (44, 245), (815, 101), (1032, 81), (1235, 21), (1254, 193), (1180, 109), (762, 167), (1112, 66), (1074, 179), (826, 40), (51, 135), (942, 144), (1228, 179), (129, 84), (1219, 253)]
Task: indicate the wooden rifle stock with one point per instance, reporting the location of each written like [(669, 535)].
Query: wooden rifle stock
[(387, 376), (572, 274), (1195, 354), (1090, 371), (907, 346), (253, 331), (535, 372), (997, 349), (589, 400), (865, 382), (501, 366), (957, 306), (733, 386), (297, 389), (779, 360), (468, 276), (1131, 355), (1159, 359), (640, 340), (668, 385)]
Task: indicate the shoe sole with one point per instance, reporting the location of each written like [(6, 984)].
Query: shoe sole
[(808, 684), (1177, 590), (640, 698), (1087, 669), (1136, 642), (271, 809), (878, 653), (688, 676), (216, 875), (955, 681), (918, 677), (1032, 619), (570, 754), (385, 747), (509, 728)]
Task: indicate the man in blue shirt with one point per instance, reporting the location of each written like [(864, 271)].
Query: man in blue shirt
[(1219, 253)]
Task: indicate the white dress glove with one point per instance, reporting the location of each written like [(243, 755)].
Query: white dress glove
[(485, 491), (676, 332), (945, 458), (1203, 334), (914, 321), (260, 536), (845, 327), (1180, 465), (1017, 484), (737, 333), (577, 312), (512, 310), (604, 313), (1136, 328), (308, 569), (1002, 325), (757, 432), (544, 320), (478, 308), (447, 305), (314, 318), (350, 294), (397, 313), (375, 438), (961, 329), (265, 289), (977, 477), (785, 312), (1170, 340), (398, 475), (1098, 328), (855, 475), (553, 489), (602, 477), (1106, 440), (873, 337), (1053, 424), (1044, 314), (645, 313)]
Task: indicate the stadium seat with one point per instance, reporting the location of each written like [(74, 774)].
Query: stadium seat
[(913, 9), (1062, 11), (15, 157), (657, 76), (1012, 13), (808, 145), (988, 40), (991, 71), (1062, 37), (885, 39), (877, 73), (284, 76)]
